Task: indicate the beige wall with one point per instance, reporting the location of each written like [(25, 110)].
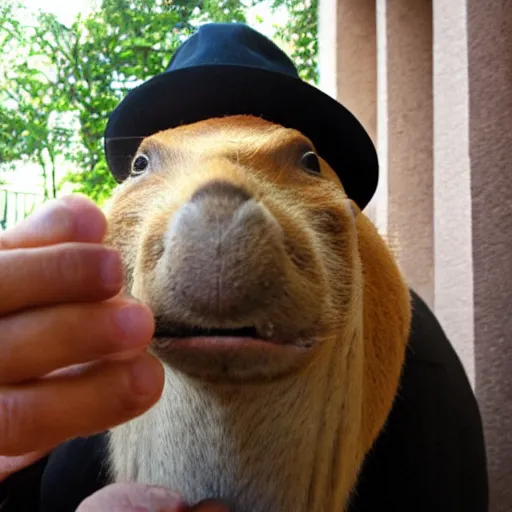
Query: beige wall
[(490, 135), (432, 82), (407, 67), (452, 177)]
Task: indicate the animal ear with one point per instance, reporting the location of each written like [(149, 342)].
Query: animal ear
[(386, 324)]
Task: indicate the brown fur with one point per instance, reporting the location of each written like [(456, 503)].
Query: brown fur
[(284, 427)]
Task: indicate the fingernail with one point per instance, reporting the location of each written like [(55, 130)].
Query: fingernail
[(56, 217), (144, 378), (135, 322), (111, 270), (86, 226)]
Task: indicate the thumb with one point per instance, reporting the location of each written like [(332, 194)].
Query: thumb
[(133, 498)]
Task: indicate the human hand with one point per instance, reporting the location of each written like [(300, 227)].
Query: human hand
[(73, 358), (142, 498)]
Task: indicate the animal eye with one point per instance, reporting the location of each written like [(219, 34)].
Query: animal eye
[(140, 164), (310, 162)]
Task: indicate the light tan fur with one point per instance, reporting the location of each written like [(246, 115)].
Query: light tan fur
[(278, 429)]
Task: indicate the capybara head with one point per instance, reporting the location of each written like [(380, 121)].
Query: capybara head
[(281, 317)]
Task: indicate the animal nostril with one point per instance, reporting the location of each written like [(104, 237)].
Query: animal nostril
[(221, 189)]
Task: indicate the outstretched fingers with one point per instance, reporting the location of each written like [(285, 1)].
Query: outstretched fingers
[(89, 399), (39, 341)]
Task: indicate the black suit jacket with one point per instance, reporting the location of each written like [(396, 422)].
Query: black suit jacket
[(430, 457)]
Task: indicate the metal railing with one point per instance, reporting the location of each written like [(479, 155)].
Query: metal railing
[(15, 206)]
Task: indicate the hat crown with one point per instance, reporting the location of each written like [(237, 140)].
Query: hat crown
[(227, 69), (233, 44)]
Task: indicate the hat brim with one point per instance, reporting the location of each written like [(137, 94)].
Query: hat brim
[(190, 95)]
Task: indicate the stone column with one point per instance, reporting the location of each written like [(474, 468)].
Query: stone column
[(406, 115), (328, 46), (490, 149), (348, 60), (357, 61), (452, 178), (390, 91)]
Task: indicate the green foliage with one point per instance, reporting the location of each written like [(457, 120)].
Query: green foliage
[(219, 10), (301, 31), (63, 81), (30, 130), (97, 60)]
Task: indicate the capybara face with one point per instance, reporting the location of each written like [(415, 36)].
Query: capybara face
[(242, 241), (281, 319)]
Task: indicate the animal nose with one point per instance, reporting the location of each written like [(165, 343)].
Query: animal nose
[(215, 204), (224, 252), (221, 191)]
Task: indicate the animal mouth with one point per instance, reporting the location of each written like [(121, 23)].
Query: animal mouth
[(240, 352), (199, 332), (167, 335)]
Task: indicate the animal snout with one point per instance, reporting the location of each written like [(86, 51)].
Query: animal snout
[(224, 256), (222, 192)]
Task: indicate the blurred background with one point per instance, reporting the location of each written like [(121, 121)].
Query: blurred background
[(431, 81)]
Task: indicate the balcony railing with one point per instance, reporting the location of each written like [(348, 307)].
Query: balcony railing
[(15, 206)]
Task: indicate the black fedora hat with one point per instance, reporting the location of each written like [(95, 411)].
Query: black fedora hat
[(228, 69)]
